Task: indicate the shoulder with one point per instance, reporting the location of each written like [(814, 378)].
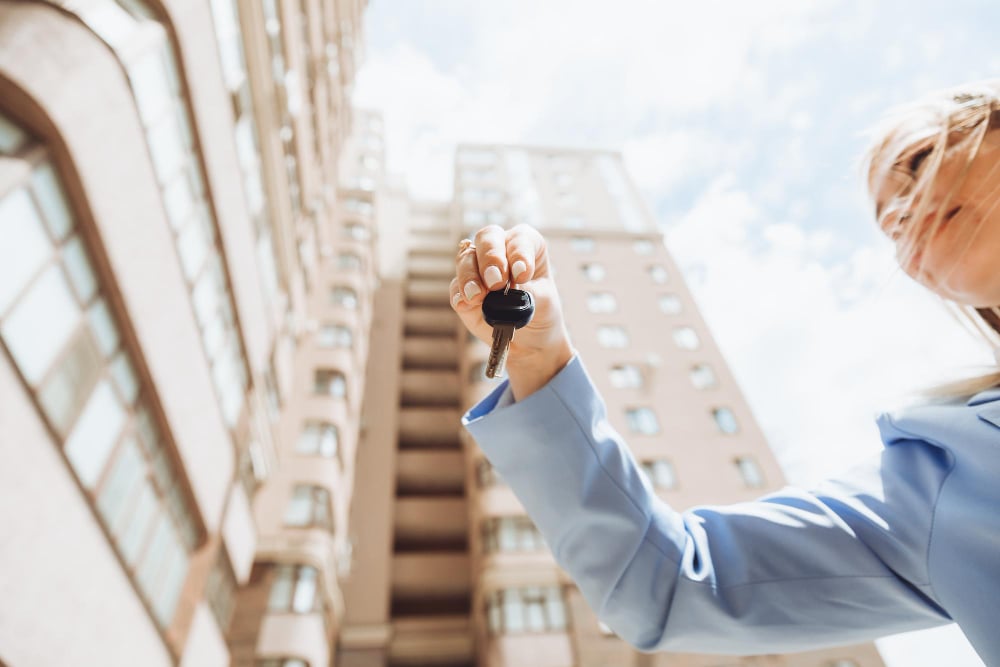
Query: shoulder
[(947, 424)]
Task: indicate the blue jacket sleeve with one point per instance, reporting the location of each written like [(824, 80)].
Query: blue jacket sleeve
[(794, 570)]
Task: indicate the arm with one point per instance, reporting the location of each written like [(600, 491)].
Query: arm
[(792, 571)]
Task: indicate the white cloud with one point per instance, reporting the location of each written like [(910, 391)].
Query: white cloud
[(817, 347)]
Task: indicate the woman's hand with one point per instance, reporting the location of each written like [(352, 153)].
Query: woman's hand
[(542, 348)]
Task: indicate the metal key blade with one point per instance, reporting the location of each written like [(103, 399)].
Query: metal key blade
[(502, 335)]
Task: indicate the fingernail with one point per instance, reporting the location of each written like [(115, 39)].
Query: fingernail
[(518, 268), (471, 290), (455, 299), (492, 276)]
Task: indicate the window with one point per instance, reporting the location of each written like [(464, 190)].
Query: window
[(658, 274), (154, 74), (348, 261), (65, 341), (330, 383), (660, 473), (686, 338), (359, 207), (581, 244), (12, 138), (642, 420), (750, 472), (511, 534), (670, 304), (602, 302), (281, 662), (486, 474), (318, 439), (294, 590), (345, 297), (843, 662), (524, 610), (225, 15), (594, 272), (612, 336), (220, 589), (356, 232), (703, 377), (309, 507), (626, 376), (643, 247), (334, 335), (725, 420)]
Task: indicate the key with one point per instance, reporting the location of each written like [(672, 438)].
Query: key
[(505, 310)]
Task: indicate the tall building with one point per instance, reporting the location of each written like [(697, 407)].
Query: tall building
[(184, 314), (230, 380)]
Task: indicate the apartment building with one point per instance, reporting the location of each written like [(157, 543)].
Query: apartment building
[(230, 380), (187, 270)]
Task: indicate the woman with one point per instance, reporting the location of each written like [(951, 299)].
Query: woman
[(907, 540)]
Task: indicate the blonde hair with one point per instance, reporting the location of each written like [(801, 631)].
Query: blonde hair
[(904, 157)]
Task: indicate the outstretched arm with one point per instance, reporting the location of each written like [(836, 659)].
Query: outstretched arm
[(791, 571)]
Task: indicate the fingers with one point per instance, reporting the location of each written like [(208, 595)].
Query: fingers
[(491, 254), (467, 279), (524, 247)]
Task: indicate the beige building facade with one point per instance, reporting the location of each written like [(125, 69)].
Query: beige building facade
[(231, 382)]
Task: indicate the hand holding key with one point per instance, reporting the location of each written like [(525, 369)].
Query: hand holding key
[(541, 347)]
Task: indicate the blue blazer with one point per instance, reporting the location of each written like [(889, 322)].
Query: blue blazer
[(908, 540)]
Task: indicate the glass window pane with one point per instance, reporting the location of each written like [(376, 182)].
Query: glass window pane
[(95, 434), (513, 612), (41, 324), (113, 503), (612, 337), (725, 420), (535, 616), (703, 377), (642, 420), (154, 558), (25, 245), (686, 338), (658, 274), (103, 327), (179, 200), (52, 200), (166, 143), (670, 304), (71, 382), (556, 610), (109, 20), (506, 535), (139, 523), (752, 475), (11, 137), (304, 600), (81, 274), (194, 243), (206, 296), (281, 588), (299, 512), (494, 612), (151, 86), (124, 376), (174, 572)]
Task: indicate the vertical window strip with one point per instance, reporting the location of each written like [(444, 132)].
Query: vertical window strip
[(225, 14), (530, 609), (65, 341), (156, 85)]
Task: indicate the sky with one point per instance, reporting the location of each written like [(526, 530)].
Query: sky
[(743, 124)]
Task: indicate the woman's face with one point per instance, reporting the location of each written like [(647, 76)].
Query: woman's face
[(959, 257)]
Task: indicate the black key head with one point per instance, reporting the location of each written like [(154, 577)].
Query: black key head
[(516, 308)]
